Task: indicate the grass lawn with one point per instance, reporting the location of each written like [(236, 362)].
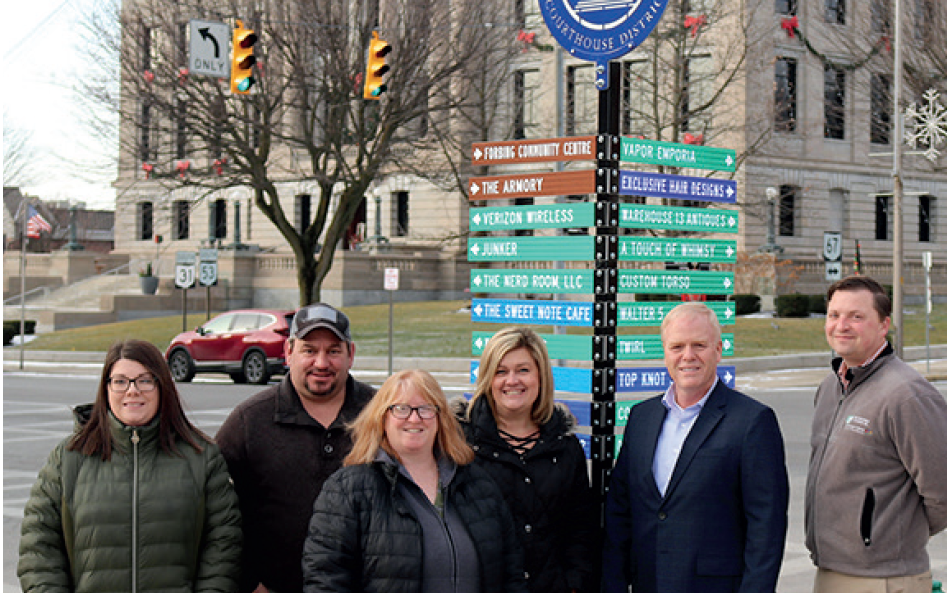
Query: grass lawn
[(441, 329)]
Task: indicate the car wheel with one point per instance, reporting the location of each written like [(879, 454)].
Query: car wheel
[(255, 368), (182, 367)]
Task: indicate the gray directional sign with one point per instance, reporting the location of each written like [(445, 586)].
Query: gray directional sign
[(209, 49)]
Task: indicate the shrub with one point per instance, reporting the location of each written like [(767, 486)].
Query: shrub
[(12, 328), (792, 305), (817, 303), (747, 303)]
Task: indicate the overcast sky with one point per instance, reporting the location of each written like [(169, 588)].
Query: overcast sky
[(42, 60)]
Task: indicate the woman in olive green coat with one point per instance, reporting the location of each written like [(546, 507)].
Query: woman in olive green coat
[(137, 499)]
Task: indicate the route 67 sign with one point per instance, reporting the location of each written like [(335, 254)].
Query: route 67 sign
[(832, 246)]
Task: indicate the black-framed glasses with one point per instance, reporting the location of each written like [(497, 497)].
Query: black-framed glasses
[(143, 383), (403, 411)]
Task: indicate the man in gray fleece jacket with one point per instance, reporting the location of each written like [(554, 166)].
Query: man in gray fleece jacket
[(877, 485)]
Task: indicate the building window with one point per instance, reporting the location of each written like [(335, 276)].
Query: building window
[(881, 16), (525, 95), (925, 17), (881, 217), (925, 218), (880, 109), (180, 115), (835, 11), (634, 95), (787, 211), (146, 221), (303, 212), (148, 147), (581, 101), (696, 92), (218, 213), (834, 103), (401, 202), (838, 207), (785, 95), (181, 212), (787, 7)]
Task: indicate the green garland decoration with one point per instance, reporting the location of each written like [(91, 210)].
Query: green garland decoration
[(794, 28)]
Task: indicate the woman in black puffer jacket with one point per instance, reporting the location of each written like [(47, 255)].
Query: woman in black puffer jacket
[(408, 513), (525, 442)]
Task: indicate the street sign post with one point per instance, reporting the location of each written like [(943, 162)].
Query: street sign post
[(392, 281), (631, 347), (184, 277), (670, 154), (531, 185), (207, 273), (832, 254), (209, 50), (577, 148), (583, 281), (583, 249)]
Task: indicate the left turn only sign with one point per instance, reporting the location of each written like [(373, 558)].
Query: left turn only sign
[(209, 51)]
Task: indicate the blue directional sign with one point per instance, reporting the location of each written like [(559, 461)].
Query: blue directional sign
[(601, 30), (678, 187), (581, 314)]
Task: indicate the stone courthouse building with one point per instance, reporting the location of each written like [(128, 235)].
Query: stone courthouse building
[(800, 89)]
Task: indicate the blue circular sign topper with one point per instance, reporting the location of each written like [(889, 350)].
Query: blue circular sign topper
[(601, 30)]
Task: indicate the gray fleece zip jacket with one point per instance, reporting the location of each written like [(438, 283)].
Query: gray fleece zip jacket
[(877, 483)]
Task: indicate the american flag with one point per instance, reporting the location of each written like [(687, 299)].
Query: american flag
[(36, 224)]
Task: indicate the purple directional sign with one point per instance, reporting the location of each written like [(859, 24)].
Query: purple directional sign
[(704, 189), (601, 30)]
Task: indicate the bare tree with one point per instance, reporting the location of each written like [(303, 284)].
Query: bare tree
[(305, 118), (18, 155)]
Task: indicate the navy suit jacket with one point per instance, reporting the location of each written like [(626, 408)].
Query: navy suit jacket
[(721, 525)]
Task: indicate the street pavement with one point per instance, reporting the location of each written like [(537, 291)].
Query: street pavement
[(35, 421)]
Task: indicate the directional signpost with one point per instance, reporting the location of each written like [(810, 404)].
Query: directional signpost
[(678, 187), (581, 314), (550, 216), (574, 347), (583, 281), (583, 249), (674, 218), (578, 148)]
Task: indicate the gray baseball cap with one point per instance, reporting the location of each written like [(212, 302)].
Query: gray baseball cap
[(319, 316)]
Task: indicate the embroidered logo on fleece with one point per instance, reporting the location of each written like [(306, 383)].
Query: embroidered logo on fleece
[(858, 425)]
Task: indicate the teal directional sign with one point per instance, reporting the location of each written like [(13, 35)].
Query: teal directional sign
[(674, 282), (538, 312), (581, 281), (652, 314), (670, 154), (678, 187), (532, 281), (676, 250), (644, 347), (550, 216), (531, 249), (674, 218)]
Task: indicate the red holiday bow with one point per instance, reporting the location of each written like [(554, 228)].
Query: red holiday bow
[(182, 75), (147, 168), (219, 165), (692, 139), (182, 167), (790, 25), (887, 41), (525, 37), (149, 76), (694, 23)]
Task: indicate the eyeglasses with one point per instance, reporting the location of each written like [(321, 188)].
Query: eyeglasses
[(143, 383), (403, 411)]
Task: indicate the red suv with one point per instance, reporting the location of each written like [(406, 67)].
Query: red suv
[(247, 344)]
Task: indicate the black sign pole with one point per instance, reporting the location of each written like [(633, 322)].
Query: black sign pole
[(606, 283)]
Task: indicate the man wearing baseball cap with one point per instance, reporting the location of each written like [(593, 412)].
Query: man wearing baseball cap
[(282, 443)]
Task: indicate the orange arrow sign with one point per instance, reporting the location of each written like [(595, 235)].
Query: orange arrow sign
[(563, 183)]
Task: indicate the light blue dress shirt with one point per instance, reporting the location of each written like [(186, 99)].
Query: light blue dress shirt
[(677, 425)]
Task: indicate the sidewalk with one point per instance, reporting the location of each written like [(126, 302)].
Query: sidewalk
[(809, 367)]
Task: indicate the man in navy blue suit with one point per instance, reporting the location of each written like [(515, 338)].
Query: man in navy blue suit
[(699, 495)]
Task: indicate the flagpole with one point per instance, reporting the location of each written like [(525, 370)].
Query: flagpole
[(25, 240)]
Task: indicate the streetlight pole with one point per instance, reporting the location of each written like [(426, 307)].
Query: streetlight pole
[(897, 288)]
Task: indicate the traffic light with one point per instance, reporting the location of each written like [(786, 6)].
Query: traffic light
[(376, 68), (241, 66)]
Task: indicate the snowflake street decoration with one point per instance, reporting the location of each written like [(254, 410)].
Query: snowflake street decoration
[(930, 125)]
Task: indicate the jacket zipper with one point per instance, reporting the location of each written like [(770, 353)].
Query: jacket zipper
[(135, 439)]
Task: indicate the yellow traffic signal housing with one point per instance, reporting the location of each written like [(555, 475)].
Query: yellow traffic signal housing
[(376, 68), (241, 65)]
